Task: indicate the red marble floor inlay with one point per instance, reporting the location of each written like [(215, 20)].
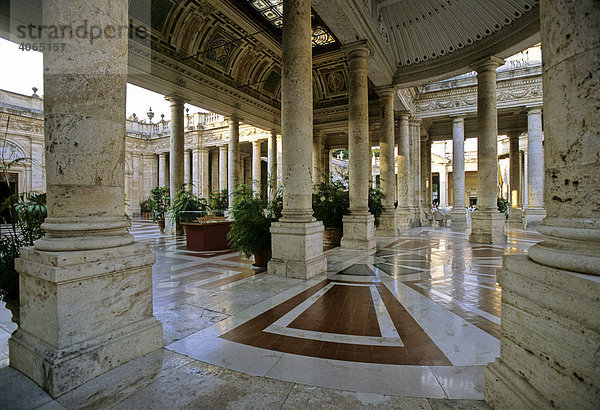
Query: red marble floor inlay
[(418, 348), (343, 310)]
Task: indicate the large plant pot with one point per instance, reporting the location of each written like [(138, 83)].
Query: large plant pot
[(261, 258), (161, 226), (210, 236), (332, 236), (15, 308)]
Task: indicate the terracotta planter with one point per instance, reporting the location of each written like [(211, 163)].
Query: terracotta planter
[(161, 226), (332, 236), (261, 258), (15, 308)]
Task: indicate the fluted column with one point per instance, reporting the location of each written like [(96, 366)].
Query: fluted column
[(405, 211), (162, 169), (515, 213), (550, 329), (187, 166), (297, 239), (256, 167), (317, 166), (326, 161), (176, 159), (487, 223), (272, 164), (388, 224), (359, 226), (535, 211), (233, 158), (86, 287), (425, 175), (459, 211), (223, 167)]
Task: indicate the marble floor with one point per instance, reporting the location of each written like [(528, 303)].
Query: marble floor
[(409, 324)]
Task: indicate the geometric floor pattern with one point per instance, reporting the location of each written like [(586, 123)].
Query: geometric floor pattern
[(418, 316)]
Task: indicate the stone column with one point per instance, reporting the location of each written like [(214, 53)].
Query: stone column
[(187, 166), (550, 329), (535, 211), (233, 158), (222, 167), (487, 223), (415, 125), (515, 213), (214, 170), (176, 159), (443, 188), (459, 211), (272, 165), (405, 211), (425, 176), (388, 224), (200, 165), (162, 169), (297, 239), (317, 166), (256, 167), (279, 161), (85, 287), (326, 161), (359, 226)]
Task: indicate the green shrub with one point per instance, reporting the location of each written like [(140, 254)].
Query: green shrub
[(330, 203)]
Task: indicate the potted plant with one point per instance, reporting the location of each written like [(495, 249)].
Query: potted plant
[(159, 205), (331, 202), (186, 203), (375, 203), (250, 226), (28, 212), (218, 202)]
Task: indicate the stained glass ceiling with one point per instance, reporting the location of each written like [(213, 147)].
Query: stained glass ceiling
[(272, 11)]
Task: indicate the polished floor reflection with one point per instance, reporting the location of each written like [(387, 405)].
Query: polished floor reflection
[(419, 317)]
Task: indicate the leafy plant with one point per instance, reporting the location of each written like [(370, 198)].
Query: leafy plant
[(375, 203), (145, 206), (28, 211), (330, 203), (218, 201), (251, 222), (186, 201), (502, 205), (159, 203)]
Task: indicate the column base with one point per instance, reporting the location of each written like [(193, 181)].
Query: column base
[(515, 216), (172, 227), (388, 224), (82, 314), (359, 231), (487, 227), (458, 219), (533, 217), (417, 217), (297, 249), (549, 338), (404, 217)]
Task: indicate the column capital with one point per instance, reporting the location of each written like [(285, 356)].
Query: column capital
[(175, 99), (223, 147), (386, 91), (457, 118), (534, 110), (232, 119), (487, 64), (404, 116), (256, 143), (357, 49)]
